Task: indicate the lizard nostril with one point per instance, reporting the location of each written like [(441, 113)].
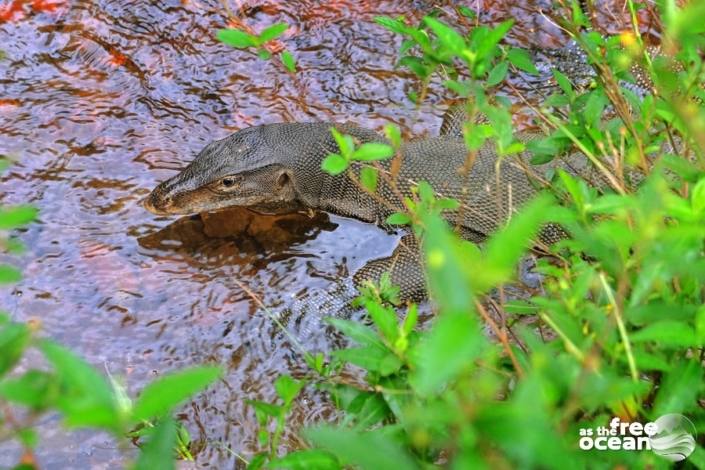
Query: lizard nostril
[(156, 202)]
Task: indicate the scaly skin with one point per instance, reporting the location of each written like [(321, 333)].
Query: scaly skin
[(276, 168)]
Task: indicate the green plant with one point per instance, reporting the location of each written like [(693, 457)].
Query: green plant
[(75, 389), (618, 329), (287, 389), (241, 39)]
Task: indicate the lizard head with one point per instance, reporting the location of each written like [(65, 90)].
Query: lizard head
[(245, 169)]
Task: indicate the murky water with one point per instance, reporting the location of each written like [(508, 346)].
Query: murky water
[(101, 100)]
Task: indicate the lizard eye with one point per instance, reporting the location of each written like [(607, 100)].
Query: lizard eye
[(228, 182)]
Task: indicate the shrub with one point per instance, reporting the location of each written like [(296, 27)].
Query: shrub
[(619, 328), (73, 388)]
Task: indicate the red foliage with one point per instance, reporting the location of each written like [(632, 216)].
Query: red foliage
[(117, 58), (17, 9), (13, 11), (9, 102), (47, 5)]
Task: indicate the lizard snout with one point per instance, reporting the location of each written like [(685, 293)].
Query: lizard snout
[(157, 203)]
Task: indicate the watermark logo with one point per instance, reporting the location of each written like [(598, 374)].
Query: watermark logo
[(675, 438), (671, 436)]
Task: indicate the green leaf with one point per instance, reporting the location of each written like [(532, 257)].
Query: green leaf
[(486, 40), (648, 361), (345, 143), (264, 54), (305, 460), (520, 307), (9, 274), (86, 398), (700, 325), (370, 358), (272, 32), (368, 178), (461, 88), (355, 331), (393, 133), (406, 46), (514, 148), (34, 389), (398, 218), (29, 438), (667, 333), (334, 164), (264, 409), (158, 452), (182, 435), (698, 197), (418, 67), (14, 246), (544, 149), (163, 394), (501, 122), (17, 216), (14, 339), (257, 461), (315, 361), (288, 61), (594, 107), (497, 74), (372, 151), (393, 25), (449, 37), (574, 187), (506, 247), (445, 265), (372, 450), (682, 167), (287, 388), (697, 458), (521, 59), (450, 347), (467, 12), (385, 319), (412, 317), (426, 192), (236, 38), (368, 409), (447, 204), (680, 388), (563, 83)]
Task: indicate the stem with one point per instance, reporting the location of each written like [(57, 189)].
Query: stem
[(621, 328), (272, 317), (281, 420), (591, 156), (569, 345), (502, 336)]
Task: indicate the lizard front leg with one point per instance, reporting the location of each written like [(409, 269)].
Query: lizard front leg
[(405, 268)]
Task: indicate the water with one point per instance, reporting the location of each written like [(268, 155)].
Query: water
[(100, 101)]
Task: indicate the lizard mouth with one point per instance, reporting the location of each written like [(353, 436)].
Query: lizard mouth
[(159, 204), (148, 204), (199, 201)]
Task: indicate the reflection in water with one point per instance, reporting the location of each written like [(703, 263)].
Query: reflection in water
[(102, 99), (250, 232)]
